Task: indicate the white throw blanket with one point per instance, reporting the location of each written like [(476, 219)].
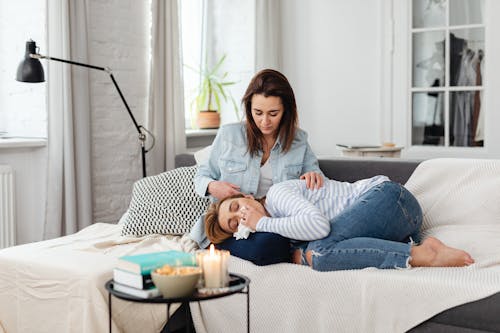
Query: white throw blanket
[(58, 285), (461, 205)]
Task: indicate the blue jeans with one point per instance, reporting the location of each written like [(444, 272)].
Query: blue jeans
[(375, 231)]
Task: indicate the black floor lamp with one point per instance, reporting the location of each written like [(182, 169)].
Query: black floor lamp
[(31, 70)]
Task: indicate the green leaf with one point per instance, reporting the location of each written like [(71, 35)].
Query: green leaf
[(212, 88), (219, 63), (228, 83), (235, 106)]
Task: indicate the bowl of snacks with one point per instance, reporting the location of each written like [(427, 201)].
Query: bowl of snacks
[(175, 282)]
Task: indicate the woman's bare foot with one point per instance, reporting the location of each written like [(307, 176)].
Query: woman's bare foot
[(434, 253)]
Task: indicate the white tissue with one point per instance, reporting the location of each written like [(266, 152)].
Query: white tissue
[(243, 232)]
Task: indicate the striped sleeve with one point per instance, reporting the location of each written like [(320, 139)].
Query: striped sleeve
[(293, 216)]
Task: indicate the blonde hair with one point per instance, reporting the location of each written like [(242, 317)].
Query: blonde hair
[(213, 230)]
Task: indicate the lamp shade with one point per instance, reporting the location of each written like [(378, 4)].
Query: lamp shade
[(30, 69)]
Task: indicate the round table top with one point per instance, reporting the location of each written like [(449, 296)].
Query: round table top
[(237, 283)]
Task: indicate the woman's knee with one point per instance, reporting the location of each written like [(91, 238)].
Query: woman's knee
[(386, 193)]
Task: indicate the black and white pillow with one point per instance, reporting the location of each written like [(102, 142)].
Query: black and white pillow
[(164, 204)]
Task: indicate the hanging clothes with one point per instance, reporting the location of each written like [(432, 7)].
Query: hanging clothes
[(457, 46), (477, 118), (434, 126), (463, 106)]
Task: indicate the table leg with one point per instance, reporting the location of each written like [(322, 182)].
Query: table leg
[(248, 309), (109, 311), (168, 315), (188, 319)]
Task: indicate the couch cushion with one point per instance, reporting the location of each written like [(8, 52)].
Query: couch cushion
[(164, 204)]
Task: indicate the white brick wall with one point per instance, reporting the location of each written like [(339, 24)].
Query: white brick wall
[(119, 39)]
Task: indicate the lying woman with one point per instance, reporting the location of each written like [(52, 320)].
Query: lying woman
[(370, 223)]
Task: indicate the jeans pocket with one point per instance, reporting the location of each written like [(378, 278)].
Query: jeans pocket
[(410, 208)]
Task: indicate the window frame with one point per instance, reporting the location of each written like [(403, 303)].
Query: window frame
[(446, 89), (396, 85), (24, 112)]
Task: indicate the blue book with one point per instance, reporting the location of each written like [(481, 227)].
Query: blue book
[(147, 262)]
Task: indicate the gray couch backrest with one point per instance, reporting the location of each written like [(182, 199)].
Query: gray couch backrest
[(352, 169), (348, 169)]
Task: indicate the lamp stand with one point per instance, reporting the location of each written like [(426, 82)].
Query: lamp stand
[(140, 129)]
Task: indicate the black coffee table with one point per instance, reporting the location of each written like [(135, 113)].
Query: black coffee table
[(238, 284)]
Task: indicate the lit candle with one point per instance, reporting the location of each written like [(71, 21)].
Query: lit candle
[(212, 269)]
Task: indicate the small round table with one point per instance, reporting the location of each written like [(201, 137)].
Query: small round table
[(237, 284)]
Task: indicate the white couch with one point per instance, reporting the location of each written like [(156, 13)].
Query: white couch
[(58, 285)]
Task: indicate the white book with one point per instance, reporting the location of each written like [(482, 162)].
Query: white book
[(357, 146), (130, 279), (141, 293)]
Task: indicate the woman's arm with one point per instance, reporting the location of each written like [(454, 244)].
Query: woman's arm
[(311, 172), (311, 162), (221, 189), (293, 216), (208, 171), (207, 179)]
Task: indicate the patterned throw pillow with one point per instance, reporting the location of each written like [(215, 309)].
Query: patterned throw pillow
[(164, 204)]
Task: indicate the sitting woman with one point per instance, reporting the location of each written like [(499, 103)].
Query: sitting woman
[(370, 223)]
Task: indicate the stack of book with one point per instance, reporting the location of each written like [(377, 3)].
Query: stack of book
[(132, 274)]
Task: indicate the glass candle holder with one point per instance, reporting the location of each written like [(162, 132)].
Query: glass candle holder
[(214, 266)]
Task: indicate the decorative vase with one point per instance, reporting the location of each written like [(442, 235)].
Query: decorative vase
[(208, 119)]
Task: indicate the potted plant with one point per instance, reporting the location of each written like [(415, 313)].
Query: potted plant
[(211, 92)]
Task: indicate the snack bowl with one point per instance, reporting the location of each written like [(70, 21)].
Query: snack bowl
[(176, 282)]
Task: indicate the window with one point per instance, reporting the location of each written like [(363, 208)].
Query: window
[(22, 105), (447, 61), (211, 29), (192, 22)]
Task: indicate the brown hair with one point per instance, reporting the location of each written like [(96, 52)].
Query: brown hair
[(213, 230), (269, 82)]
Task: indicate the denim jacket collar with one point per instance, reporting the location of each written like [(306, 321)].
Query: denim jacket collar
[(277, 144)]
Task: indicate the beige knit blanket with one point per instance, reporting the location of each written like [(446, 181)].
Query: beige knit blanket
[(461, 205)]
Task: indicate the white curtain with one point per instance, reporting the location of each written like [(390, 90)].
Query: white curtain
[(268, 34), (69, 200), (165, 117)]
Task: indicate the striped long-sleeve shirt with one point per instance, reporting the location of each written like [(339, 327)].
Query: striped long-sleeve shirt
[(303, 214)]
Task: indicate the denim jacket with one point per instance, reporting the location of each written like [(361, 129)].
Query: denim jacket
[(230, 161)]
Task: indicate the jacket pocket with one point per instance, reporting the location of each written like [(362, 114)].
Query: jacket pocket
[(293, 171), (230, 166)]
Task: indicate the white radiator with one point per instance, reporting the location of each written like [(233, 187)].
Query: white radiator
[(7, 217)]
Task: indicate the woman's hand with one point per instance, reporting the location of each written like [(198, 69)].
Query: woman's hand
[(220, 190), (313, 179), (250, 216)]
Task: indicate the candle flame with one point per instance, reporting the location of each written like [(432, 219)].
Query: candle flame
[(212, 250)]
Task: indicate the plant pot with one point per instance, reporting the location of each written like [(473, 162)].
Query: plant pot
[(208, 119)]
